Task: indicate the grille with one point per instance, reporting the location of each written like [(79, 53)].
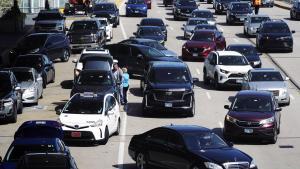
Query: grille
[(77, 127), (82, 39), (168, 95), (248, 124), (275, 92), (236, 165), (236, 75), (186, 11), (196, 50)]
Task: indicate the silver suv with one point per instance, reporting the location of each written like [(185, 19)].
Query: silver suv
[(268, 80)]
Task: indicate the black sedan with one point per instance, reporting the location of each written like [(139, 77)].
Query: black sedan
[(185, 147), (54, 45), (41, 63), (151, 32), (155, 22)]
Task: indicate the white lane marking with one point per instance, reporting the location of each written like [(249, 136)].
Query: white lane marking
[(220, 124), (123, 30), (171, 28), (235, 39), (158, 11), (208, 95), (122, 141), (198, 71), (292, 97)]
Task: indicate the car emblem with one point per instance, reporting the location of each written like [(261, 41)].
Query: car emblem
[(168, 93), (249, 123), (76, 126)]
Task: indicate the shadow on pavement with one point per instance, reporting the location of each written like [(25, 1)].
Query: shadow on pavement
[(180, 37), (210, 87), (125, 166), (66, 84), (59, 106), (136, 92), (169, 13)]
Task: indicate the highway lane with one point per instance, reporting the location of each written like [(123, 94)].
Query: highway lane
[(209, 105)]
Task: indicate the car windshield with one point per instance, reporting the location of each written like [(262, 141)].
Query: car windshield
[(187, 3), (151, 52), (49, 16), (206, 37), (5, 85), (29, 61), (83, 106), (275, 28), (170, 75), (104, 7), (197, 22), (16, 152), (266, 76), (23, 76), (206, 27), (252, 104), (33, 42), (232, 60), (259, 19), (202, 14), (83, 25), (152, 22), (95, 79), (154, 44), (150, 32), (245, 50), (136, 2), (240, 7), (203, 140)]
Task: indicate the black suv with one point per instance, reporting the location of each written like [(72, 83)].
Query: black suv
[(184, 8), (50, 21), (86, 34), (109, 11), (295, 10), (54, 45), (274, 35), (237, 12), (222, 5), (168, 86), (10, 97), (96, 81), (136, 57)]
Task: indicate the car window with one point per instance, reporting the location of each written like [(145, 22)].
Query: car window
[(124, 50), (232, 60), (203, 140), (157, 136), (169, 75), (24, 76), (112, 101), (95, 78), (174, 139)]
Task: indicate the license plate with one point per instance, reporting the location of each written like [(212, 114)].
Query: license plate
[(242, 19), (248, 131), (195, 54), (239, 80), (136, 11), (76, 134), (168, 104)]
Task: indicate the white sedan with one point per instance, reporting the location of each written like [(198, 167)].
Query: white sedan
[(90, 117)]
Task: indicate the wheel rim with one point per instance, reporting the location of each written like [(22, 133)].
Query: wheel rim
[(140, 161), (66, 55), (275, 136)]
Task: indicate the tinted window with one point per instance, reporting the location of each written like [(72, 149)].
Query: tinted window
[(39, 132), (266, 76), (187, 3), (151, 52), (152, 22), (203, 26), (5, 84), (95, 78), (275, 28), (150, 31), (30, 61), (203, 140), (252, 104), (197, 22), (157, 136), (232, 60), (33, 42), (83, 106), (245, 50), (84, 25), (24, 76), (169, 75), (154, 44), (44, 162), (103, 7), (207, 37), (259, 19), (49, 16), (136, 2), (241, 7), (202, 14)]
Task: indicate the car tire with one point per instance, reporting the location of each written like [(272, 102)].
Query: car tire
[(53, 77), (205, 78), (216, 82), (273, 140), (20, 110), (141, 161), (145, 111), (106, 136), (191, 112), (44, 82), (115, 25), (14, 117), (175, 18), (118, 128), (66, 55)]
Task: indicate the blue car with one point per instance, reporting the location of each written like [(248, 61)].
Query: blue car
[(20, 147), (136, 8), (40, 129)]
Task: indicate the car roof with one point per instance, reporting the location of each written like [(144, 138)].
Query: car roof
[(240, 45), (34, 141), (151, 19), (187, 128), (166, 64), (253, 93), (228, 53), (202, 19), (264, 70)]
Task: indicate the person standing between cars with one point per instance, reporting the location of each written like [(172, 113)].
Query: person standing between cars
[(125, 84), (256, 4), (118, 74), (87, 6)]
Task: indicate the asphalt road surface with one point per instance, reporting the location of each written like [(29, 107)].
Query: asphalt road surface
[(285, 154)]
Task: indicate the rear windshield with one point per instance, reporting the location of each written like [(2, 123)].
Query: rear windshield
[(83, 106), (33, 42), (28, 61), (49, 16), (197, 22), (259, 19), (245, 50), (241, 7), (95, 79), (202, 14), (275, 28), (44, 162)]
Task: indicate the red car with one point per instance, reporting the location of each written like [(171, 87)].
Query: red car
[(148, 2), (202, 43)]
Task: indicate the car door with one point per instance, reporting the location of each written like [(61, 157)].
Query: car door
[(210, 66), (51, 48), (136, 60), (47, 64), (109, 114), (60, 45)]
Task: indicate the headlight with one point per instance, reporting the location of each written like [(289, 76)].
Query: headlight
[(97, 123), (230, 119), (224, 71), (267, 121), (60, 28), (286, 38), (162, 41), (253, 29), (144, 7), (8, 102), (212, 165), (252, 164), (256, 62)]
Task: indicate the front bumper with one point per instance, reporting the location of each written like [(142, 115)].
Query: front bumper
[(6, 111), (230, 79), (237, 18), (135, 12), (86, 133), (276, 44), (199, 54), (182, 15), (83, 46)]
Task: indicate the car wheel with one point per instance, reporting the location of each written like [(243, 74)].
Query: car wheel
[(273, 140), (146, 111), (106, 136), (115, 25), (191, 112), (20, 110), (14, 116), (118, 128), (53, 77), (216, 82), (66, 55), (141, 161), (195, 167), (205, 78)]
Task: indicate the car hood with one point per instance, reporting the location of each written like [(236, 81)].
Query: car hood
[(103, 12), (8, 165), (178, 86), (250, 116), (223, 155), (25, 85), (82, 32), (158, 38), (78, 119), (49, 22), (275, 85), (252, 58), (192, 43), (95, 89), (190, 27), (236, 69), (169, 53)]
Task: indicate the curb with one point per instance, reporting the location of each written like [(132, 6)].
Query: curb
[(281, 6)]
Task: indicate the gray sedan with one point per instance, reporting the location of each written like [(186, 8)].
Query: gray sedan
[(253, 22), (190, 25), (31, 84), (268, 80)]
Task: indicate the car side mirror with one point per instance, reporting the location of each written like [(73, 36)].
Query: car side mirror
[(137, 24), (230, 144), (74, 60), (278, 109), (226, 107), (17, 88), (139, 56), (293, 31), (287, 78), (231, 98), (134, 33), (195, 79)]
